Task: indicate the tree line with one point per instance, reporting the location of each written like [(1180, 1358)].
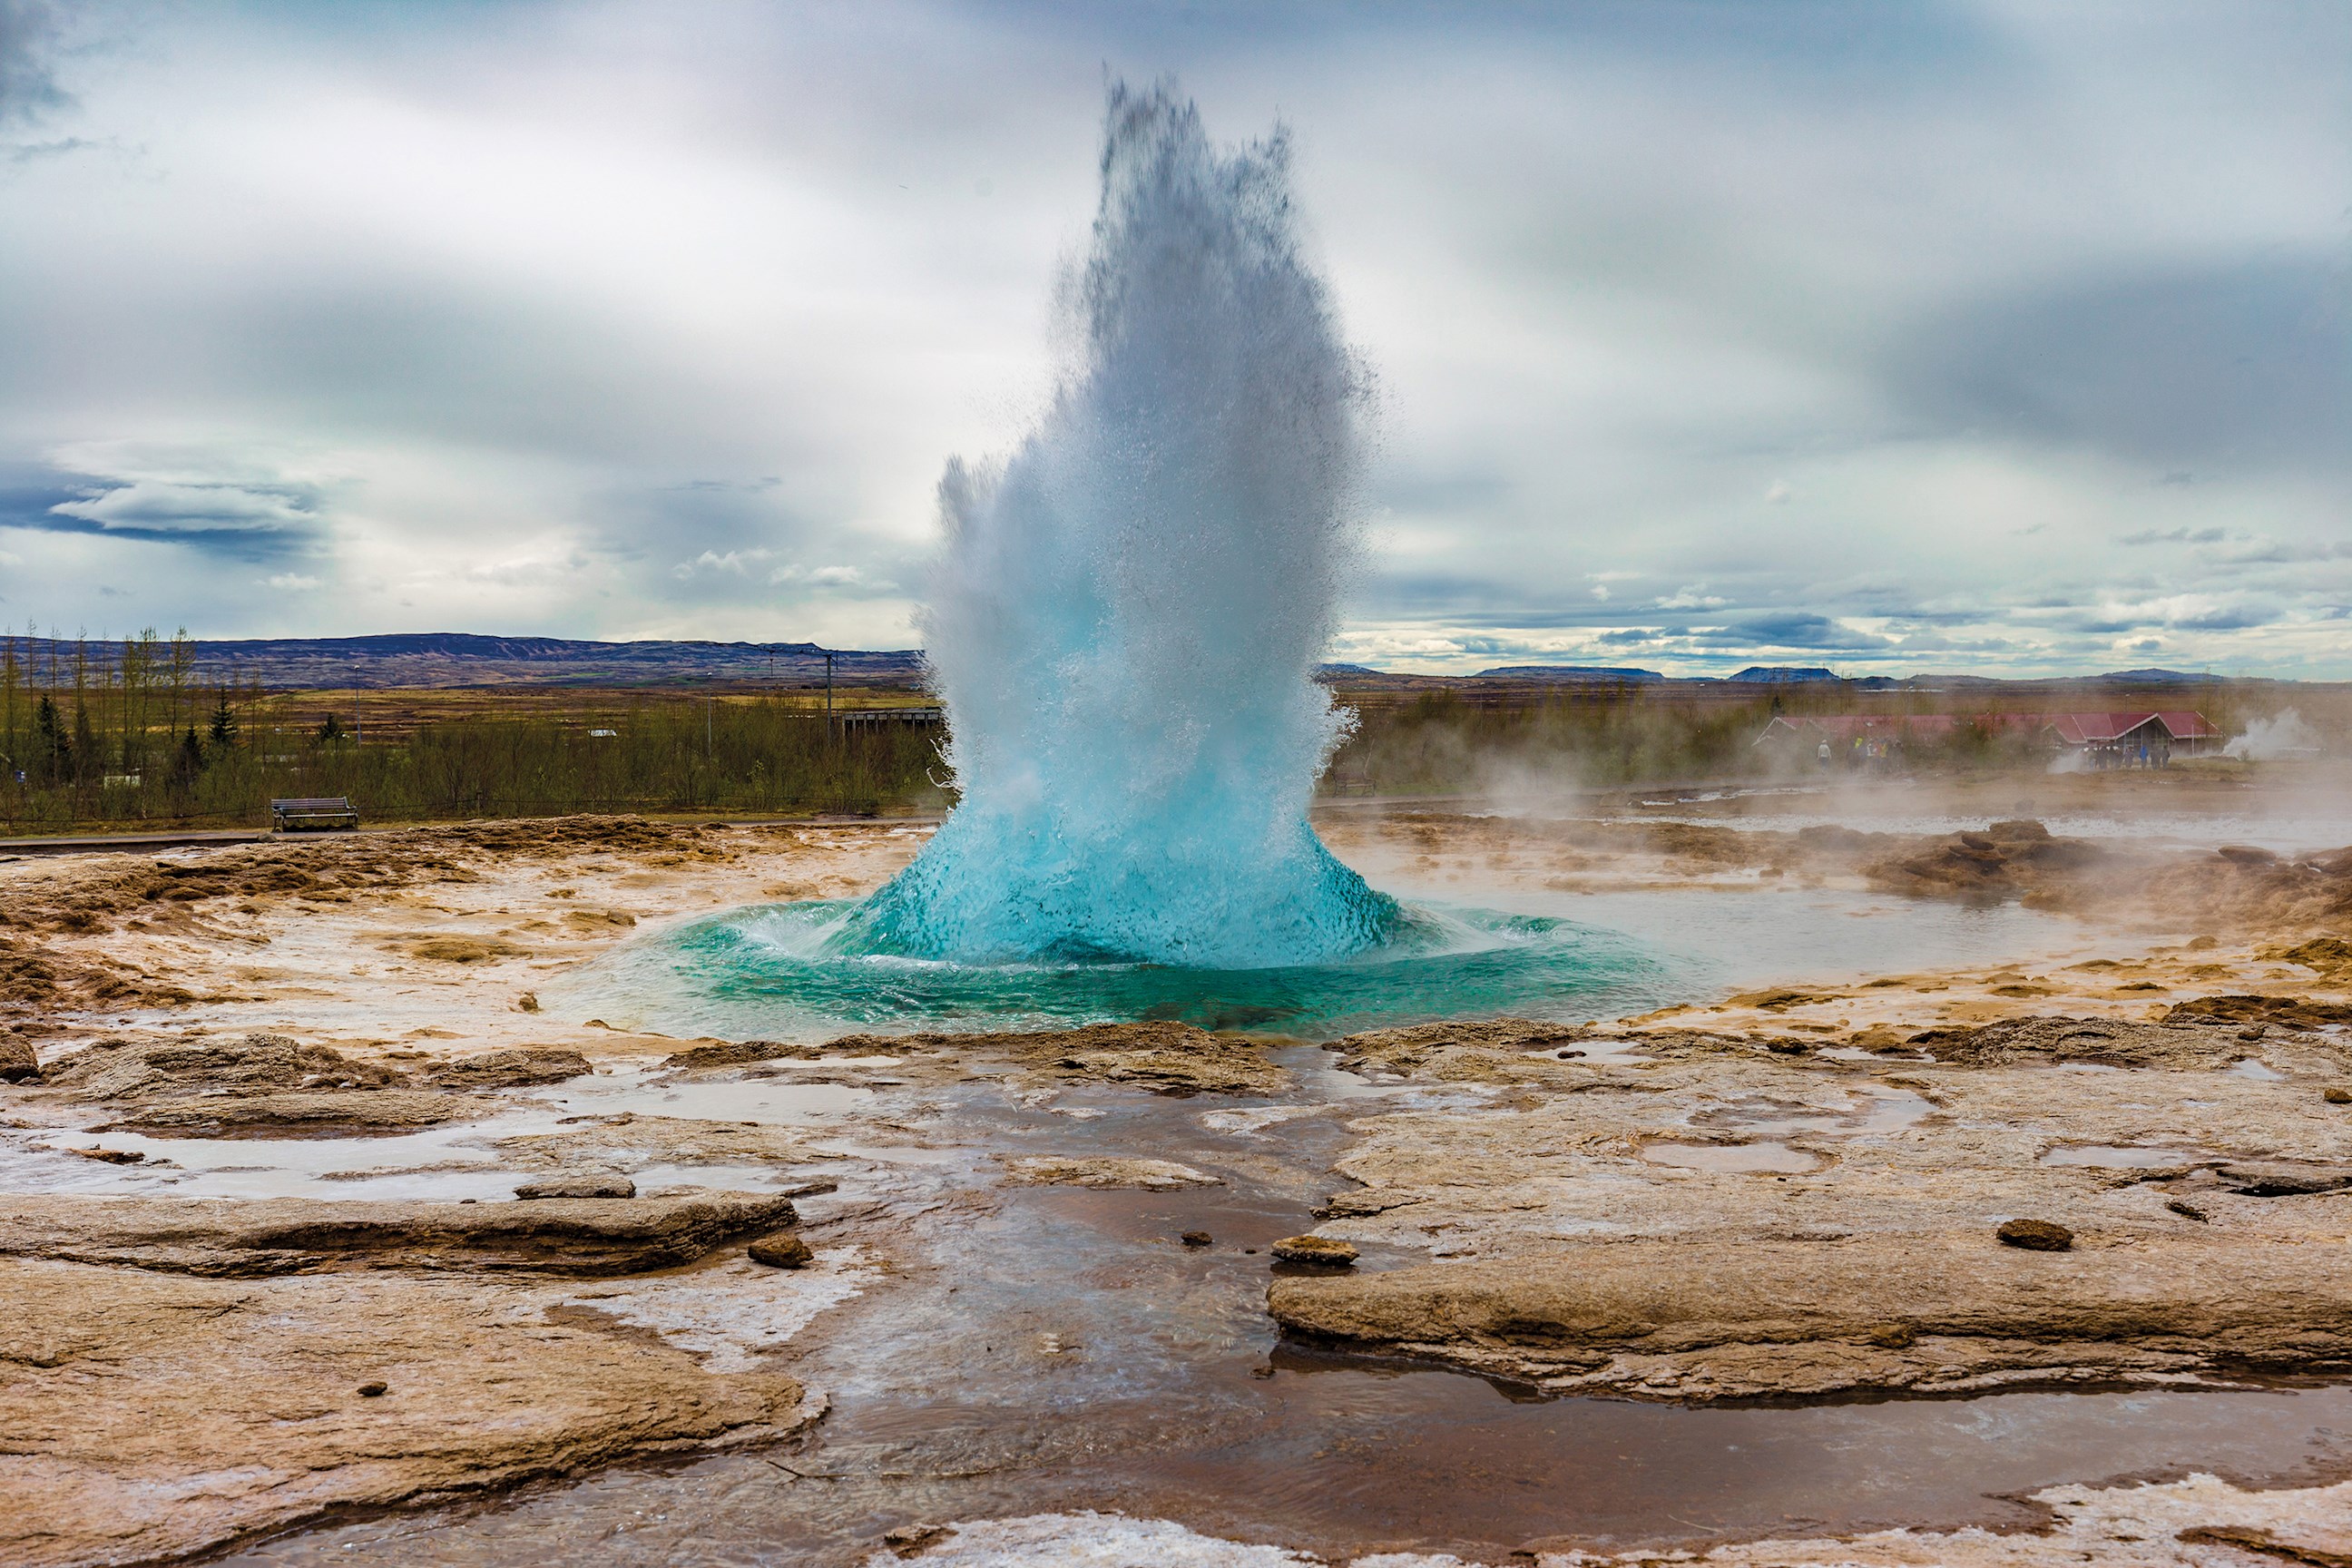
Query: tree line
[(103, 733)]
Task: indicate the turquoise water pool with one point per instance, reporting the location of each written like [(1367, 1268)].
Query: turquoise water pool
[(806, 970)]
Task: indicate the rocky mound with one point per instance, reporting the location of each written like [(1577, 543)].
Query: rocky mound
[(169, 1070), (2286, 1012), (1921, 1313), (2109, 1042), (259, 1085)]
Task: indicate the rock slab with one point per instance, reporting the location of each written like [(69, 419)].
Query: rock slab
[(1697, 1322), (252, 1238)]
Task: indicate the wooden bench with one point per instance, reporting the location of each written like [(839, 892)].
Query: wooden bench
[(326, 815)]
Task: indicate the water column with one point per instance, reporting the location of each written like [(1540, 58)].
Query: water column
[(1126, 618)]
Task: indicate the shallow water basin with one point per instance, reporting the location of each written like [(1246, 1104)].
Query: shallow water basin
[(649, 1092), (1873, 1110), (2126, 1156), (1737, 1159)]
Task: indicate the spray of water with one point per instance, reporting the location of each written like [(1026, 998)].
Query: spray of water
[(1127, 616)]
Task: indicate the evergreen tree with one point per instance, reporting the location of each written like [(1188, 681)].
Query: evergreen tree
[(331, 731), (52, 756), (223, 730)]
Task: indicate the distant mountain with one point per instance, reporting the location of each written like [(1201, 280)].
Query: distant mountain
[(2156, 678), (1781, 675), (461, 659), (1578, 672)]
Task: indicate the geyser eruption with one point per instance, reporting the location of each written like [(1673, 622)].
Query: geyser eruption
[(1125, 621)]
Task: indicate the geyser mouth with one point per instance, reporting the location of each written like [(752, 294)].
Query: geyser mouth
[(812, 969)]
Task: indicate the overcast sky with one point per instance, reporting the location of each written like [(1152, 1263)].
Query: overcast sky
[(2007, 338)]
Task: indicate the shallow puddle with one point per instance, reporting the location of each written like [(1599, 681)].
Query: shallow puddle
[(2125, 1157), (1872, 1111), (1738, 1159)]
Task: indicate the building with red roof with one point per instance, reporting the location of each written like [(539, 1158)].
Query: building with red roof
[(2137, 739)]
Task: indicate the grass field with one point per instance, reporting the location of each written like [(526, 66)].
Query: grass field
[(121, 736)]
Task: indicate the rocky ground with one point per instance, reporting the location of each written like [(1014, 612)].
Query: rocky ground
[(268, 1108)]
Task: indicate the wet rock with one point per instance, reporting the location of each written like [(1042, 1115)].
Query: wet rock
[(513, 1069), (259, 1085), (1483, 1048), (735, 1053), (1956, 865), (460, 949), (624, 1143), (1682, 1319), (2287, 1012), (782, 1250), (18, 1062), (2035, 1235), (579, 1187), (2110, 1042), (245, 1418), (2007, 859), (1323, 1251), (1359, 1203), (1780, 999), (169, 1070), (1103, 1171), (1197, 1238), (1503, 1050), (1163, 1057), (2327, 954), (909, 1539), (2282, 1178), (331, 1114), (243, 1238)]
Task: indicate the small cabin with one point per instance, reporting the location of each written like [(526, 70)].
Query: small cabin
[(2094, 741), (2131, 740)]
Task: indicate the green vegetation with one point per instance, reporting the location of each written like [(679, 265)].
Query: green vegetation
[(121, 735), (1439, 742), (118, 736)]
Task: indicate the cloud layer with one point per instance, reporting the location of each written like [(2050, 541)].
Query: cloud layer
[(1985, 336)]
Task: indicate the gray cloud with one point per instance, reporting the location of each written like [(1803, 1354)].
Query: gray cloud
[(1876, 333), (164, 507), (2243, 365), (2174, 536), (29, 40)]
